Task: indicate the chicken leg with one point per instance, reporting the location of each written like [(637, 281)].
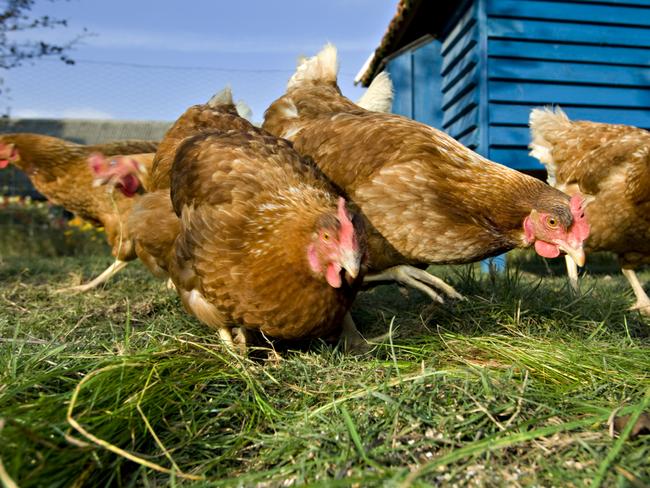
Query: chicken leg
[(113, 269), (352, 339), (415, 278), (642, 301), (350, 336)]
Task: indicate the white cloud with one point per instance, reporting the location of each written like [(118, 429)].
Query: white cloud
[(68, 113)]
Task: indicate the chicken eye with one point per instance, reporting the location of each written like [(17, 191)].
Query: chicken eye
[(552, 223), (326, 236)]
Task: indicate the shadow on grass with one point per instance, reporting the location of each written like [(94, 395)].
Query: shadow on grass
[(513, 302)]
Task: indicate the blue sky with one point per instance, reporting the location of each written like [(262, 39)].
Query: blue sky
[(149, 60)]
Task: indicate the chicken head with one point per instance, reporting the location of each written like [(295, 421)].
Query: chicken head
[(121, 172), (554, 231), (8, 154), (337, 245)]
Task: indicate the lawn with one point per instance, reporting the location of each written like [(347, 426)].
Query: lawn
[(515, 386)]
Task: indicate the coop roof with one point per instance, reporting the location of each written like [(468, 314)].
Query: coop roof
[(88, 131), (413, 20)]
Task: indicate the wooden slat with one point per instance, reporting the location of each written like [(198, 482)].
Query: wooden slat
[(509, 136), (467, 63), (460, 126), (470, 140), (399, 69), (606, 14), (427, 96), (519, 114), (516, 158), (568, 52), (464, 24), (456, 54), (568, 32), (468, 82), (540, 94), (620, 3), (460, 108), (516, 69)]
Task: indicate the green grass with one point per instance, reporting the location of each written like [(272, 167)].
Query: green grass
[(512, 387)]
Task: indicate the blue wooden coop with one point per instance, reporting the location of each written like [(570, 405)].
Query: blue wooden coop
[(475, 68)]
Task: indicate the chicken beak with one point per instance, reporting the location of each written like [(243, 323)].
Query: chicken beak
[(577, 254), (350, 262)]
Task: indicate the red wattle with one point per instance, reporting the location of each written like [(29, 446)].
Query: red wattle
[(129, 185), (4, 163), (547, 250), (333, 275)]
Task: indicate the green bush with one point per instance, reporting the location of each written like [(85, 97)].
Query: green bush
[(36, 228)]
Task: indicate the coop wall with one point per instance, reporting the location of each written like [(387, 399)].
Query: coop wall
[(591, 58)]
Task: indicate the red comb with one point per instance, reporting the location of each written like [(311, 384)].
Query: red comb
[(580, 228), (8, 153), (97, 163), (346, 235)]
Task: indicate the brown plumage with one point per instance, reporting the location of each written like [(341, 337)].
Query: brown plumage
[(196, 119), (59, 170), (610, 165), (255, 237), (427, 198)]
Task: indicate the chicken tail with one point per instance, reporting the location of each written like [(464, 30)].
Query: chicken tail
[(322, 67), (379, 95), (544, 122), (222, 97), (244, 111)]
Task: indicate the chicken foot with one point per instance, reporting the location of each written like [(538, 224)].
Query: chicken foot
[(353, 341), (113, 269), (642, 301), (350, 336), (415, 278), (234, 338), (170, 285)]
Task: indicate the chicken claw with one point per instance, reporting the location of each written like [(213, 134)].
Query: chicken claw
[(113, 269), (415, 278), (235, 339), (353, 341), (642, 301)]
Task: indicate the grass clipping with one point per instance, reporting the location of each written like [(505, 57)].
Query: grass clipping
[(121, 452)]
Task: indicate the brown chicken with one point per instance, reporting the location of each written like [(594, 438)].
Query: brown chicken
[(425, 197), (252, 236), (610, 165), (59, 170)]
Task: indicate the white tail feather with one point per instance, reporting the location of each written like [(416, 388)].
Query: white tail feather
[(223, 97), (244, 111), (542, 121), (379, 95), (322, 67)]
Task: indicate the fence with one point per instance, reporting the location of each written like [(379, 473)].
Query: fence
[(15, 183)]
